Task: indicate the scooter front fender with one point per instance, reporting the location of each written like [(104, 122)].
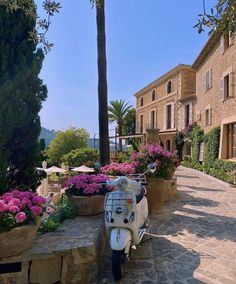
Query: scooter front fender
[(120, 238)]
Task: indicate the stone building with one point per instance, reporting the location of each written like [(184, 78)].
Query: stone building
[(215, 104), (166, 105)]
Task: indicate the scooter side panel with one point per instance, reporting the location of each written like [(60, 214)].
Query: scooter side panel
[(119, 238)]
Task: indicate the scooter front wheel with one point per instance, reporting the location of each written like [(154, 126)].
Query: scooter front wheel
[(118, 264)]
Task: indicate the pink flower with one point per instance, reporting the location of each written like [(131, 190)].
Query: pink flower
[(36, 210), (20, 217), (15, 201), (7, 196), (50, 210), (13, 208), (3, 206)]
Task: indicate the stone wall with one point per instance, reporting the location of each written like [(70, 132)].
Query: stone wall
[(69, 255)]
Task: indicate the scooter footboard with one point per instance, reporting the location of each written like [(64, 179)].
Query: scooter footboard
[(120, 238)]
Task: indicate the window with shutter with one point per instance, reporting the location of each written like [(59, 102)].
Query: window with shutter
[(187, 115), (227, 86), (190, 113), (141, 123), (141, 102), (153, 95), (207, 81), (222, 89), (169, 87), (233, 89), (172, 116), (168, 116), (210, 78), (164, 118), (206, 117), (210, 116), (183, 117)]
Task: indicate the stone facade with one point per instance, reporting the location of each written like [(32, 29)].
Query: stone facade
[(160, 106), (204, 93), (215, 89)]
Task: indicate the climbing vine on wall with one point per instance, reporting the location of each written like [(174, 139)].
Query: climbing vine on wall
[(196, 137), (211, 146)]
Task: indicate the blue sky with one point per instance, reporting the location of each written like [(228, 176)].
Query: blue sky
[(145, 39)]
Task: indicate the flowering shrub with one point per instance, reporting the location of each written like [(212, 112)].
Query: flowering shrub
[(154, 154), (87, 185), (19, 208), (120, 169)]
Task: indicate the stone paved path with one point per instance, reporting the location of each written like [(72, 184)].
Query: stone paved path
[(194, 237)]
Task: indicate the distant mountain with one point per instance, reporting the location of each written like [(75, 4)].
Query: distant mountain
[(47, 134)]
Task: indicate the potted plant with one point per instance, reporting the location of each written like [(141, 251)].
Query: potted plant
[(86, 192), (161, 184), (20, 212)]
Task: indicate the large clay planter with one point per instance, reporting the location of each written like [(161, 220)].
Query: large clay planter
[(88, 205), (17, 240), (159, 190)]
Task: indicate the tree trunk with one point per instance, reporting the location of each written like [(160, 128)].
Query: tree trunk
[(102, 86), (120, 126)]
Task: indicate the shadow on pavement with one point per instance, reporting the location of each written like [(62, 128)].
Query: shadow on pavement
[(157, 260), (185, 176), (176, 217), (196, 188)]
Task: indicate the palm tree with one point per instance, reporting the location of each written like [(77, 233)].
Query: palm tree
[(102, 84), (118, 111)]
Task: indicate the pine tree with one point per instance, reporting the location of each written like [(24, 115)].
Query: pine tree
[(21, 97)]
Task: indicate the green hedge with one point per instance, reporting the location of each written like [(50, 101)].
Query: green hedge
[(179, 142), (196, 137), (211, 147), (220, 169)]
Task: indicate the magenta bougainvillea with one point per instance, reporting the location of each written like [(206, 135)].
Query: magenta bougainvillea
[(120, 169), (19, 208), (87, 185), (163, 159)]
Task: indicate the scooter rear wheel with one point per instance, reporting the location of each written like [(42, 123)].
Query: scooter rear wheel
[(118, 264)]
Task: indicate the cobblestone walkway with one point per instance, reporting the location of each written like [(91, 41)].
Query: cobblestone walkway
[(194, 237)]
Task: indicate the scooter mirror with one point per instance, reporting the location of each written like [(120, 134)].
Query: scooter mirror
[(151, 168)]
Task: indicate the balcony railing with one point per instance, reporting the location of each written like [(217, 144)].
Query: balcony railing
[(148, 126)]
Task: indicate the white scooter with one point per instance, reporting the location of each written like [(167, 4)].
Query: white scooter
[(126, 218)]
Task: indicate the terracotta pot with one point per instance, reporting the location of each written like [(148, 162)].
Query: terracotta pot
[(88, 205), (17, 240), (159, 190)]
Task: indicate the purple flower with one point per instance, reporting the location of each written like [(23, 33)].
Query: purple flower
[(26, 202), (38, 200)]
